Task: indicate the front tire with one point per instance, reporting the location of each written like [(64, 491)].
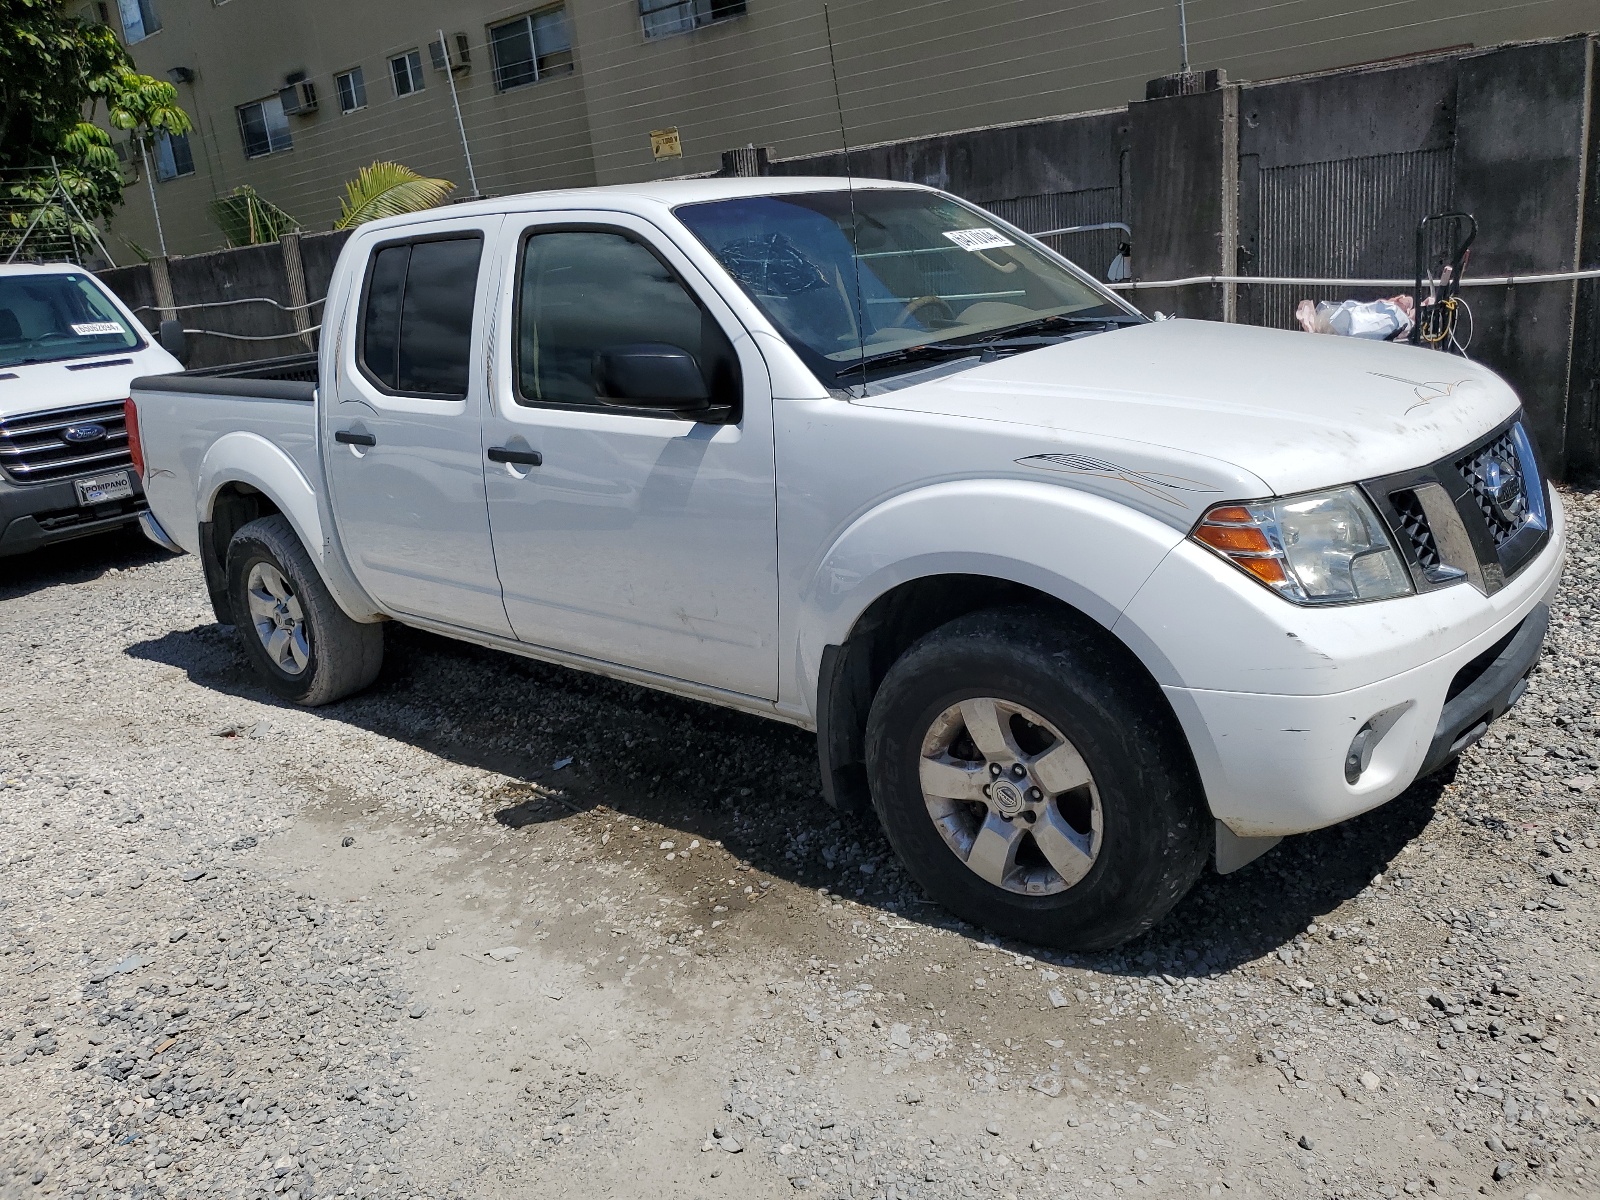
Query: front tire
[(295, 634), (1033, 781)]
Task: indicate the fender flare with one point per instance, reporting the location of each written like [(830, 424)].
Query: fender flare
[(1089, 552), (249, 458)]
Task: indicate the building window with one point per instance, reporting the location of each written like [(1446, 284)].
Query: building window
[(173, 156), (675, 16), (264, 127), (139, 19), (352, 87), (531, 47), (406, 69)]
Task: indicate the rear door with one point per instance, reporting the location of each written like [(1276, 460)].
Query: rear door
[(404, 429), (639, 538)]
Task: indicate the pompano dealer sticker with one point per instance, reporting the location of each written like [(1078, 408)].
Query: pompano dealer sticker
[(973, 240), (96, 328)]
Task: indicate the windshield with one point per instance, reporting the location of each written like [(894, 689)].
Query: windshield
[(932, 273), (46, 318)]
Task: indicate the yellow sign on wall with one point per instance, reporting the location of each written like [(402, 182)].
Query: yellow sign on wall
[(664, 143)]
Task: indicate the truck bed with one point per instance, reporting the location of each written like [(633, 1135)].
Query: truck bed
[(193, 423)]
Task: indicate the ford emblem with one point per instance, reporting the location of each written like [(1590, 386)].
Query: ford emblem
[(79, 434)]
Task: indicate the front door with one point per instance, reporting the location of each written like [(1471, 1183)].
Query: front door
[(403, 436), (639, 538)]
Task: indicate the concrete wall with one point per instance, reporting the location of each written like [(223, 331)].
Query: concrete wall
[(1583, 388), (247, 273)]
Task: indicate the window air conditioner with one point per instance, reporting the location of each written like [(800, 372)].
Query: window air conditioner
[(456, 56), (299, 99)]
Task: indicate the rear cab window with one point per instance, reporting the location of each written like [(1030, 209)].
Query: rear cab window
[(416, 316)]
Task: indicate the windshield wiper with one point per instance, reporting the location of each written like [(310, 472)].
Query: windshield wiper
[(1011, 337), (1073, 319), (930, 350)]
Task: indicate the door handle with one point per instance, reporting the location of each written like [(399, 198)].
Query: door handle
[(350, 438), (525, 458)]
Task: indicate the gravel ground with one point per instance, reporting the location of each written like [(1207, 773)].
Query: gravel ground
[(496, 929)]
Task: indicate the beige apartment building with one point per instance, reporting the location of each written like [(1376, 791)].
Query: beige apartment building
[(293, 97)]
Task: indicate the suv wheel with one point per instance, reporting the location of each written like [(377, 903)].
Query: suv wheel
[(296, 636), (1034, 782)]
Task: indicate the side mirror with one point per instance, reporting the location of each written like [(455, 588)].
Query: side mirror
[(650, 375), (174, 341)]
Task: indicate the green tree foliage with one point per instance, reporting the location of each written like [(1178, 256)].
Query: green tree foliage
[(246, 219), (387, 189), (56, 70)]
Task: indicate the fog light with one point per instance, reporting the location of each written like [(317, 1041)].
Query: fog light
[(1365, 744), (1359, 757)]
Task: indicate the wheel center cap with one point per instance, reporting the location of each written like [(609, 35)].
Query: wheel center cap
[(1007, 797)]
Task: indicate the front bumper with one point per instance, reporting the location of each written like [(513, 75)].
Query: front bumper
[(40, 514), (1273, 762)]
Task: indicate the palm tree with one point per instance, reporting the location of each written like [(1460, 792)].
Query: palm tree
[(387, 189), (247, 219)]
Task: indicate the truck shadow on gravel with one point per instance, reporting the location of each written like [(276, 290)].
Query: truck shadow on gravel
[(753, 785), (76, 561)]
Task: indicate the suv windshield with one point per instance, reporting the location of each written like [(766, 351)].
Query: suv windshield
[(922, 275), (47, 318)]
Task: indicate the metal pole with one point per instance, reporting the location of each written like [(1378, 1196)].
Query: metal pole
[(1183, 33), (466, 150), (150, 179)]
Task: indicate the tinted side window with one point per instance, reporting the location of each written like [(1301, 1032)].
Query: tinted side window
[(416, 331), (583, 291), (380, 326), (436, 317)]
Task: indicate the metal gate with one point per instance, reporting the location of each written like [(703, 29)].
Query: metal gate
[(1351, 218)]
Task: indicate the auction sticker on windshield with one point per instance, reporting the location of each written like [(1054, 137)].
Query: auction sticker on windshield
[(978, 239), (96, 328), (103, 488)]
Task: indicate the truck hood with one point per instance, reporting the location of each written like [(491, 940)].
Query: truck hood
[(1296, 410), (44, 387)]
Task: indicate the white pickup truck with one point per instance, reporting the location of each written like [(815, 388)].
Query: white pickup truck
[(1076, 601)]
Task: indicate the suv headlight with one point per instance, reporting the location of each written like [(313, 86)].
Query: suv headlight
[(1321, 548)]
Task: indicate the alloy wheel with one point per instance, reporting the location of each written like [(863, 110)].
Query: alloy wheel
[(278, 619), (1011, 796)]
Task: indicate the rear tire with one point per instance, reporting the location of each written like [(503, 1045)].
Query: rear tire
[(295, 634), (1033, 781)]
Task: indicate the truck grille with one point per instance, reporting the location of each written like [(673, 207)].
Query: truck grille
[(34, 448), (1481, 514), (1413, 526), (1478, 468)]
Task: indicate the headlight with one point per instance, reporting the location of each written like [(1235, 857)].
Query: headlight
[(1322, 548)]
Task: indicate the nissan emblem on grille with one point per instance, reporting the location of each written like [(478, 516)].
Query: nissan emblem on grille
[(1494, 473), (1502, 485)]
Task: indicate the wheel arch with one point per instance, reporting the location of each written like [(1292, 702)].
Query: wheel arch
[(244, 476), (852, 670)]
